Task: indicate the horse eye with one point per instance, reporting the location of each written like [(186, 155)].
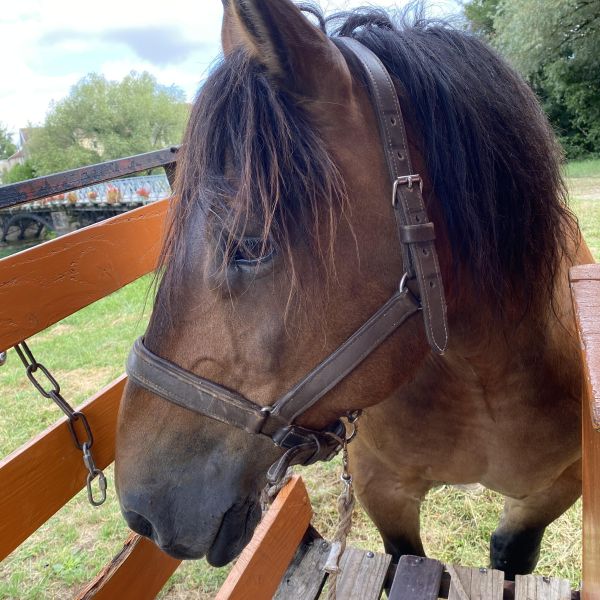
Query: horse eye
[(252, 251)]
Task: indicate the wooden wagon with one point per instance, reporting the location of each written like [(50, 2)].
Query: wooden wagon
[(285, 558)]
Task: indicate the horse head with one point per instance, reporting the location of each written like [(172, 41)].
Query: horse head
[(281, 243)]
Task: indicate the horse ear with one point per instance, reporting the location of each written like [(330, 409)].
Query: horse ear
[(294, 51)]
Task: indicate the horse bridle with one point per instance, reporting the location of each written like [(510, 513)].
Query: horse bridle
[(420, 290)]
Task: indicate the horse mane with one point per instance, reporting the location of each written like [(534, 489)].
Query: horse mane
[(490, 155)]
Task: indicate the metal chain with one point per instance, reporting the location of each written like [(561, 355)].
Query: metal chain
[(33, 368)]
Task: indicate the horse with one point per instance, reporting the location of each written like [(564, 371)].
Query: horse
[(281, 243)]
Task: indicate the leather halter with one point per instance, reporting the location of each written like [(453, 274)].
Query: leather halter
[(420, 290)]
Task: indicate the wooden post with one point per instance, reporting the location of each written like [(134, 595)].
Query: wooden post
[(585, 287), (258, 571)]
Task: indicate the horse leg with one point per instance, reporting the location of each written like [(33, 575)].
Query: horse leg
[(515, 545), (393, 504)]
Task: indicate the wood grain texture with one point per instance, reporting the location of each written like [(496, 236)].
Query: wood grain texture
[(138, 572), (477, 584), (586, 300), (585, 288), (40, 477), (591, 505), (362, 574), (258, 571), (584, 273), (535, 587), (305, 577), (48, 185), (416, 578), (42, 285)]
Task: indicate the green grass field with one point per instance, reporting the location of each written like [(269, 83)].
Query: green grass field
[(88, 349)]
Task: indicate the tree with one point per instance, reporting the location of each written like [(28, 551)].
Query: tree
[(481, 15), (554, 45), (102, 120), (19, 173), (7, 147)]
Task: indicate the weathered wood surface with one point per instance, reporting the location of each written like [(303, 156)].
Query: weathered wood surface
[(585, 287), (362, 574), (58, 183), (476, 584), (258, 571), (416, 578), (305, 577), (536, 587), (42, 285), (138, 572), (40, 477)]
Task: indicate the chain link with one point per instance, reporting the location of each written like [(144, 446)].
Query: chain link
[(45, 383)]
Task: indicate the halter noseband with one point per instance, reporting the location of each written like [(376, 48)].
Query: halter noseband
[(420, 290)]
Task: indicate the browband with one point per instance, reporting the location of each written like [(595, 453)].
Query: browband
[(420, 288)]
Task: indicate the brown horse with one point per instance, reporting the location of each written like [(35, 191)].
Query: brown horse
[(282, 243)]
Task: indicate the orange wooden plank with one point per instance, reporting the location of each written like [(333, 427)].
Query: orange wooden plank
[(41, 476), (138, 572), (260, 567), (585, 286), (44, 284)]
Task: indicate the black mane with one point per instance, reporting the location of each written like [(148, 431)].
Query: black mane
[(490, 155)]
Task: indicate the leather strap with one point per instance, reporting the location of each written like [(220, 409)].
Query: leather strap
[(419, 255), (184, 388), (347, 357)]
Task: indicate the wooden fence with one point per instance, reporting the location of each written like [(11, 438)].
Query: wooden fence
[(45, 284)]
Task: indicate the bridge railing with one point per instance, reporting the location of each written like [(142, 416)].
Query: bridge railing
[(75, 179), (127, 191)]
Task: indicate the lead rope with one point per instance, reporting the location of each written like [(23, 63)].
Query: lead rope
[(270, 491), (338, 543), (345, 505)]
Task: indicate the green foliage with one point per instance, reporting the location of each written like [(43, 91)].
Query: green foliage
[(481, 15), (553, 43), (103, 120), (7, 147), (19, 173)]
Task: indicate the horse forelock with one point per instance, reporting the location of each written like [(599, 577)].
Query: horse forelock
[(492, 160), (250, 156)]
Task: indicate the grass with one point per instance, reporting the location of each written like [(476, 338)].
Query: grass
[(578, 169), (87, 350)]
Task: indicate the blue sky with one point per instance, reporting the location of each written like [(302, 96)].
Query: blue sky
[(48, 46)]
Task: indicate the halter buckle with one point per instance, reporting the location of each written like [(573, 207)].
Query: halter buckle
[(408, 181)]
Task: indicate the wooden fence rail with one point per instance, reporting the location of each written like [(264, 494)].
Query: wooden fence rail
[(42, 285)]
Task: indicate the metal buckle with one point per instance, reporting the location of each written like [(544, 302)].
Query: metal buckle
[(407, 180)]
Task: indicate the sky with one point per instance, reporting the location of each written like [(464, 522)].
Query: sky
[(49, 45)]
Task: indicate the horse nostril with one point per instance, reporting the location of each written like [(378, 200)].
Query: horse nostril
[(138, 523)]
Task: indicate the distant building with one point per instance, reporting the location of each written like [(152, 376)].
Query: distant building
[(21, 155)]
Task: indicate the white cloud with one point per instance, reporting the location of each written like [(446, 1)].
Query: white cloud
[(49, 45)]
